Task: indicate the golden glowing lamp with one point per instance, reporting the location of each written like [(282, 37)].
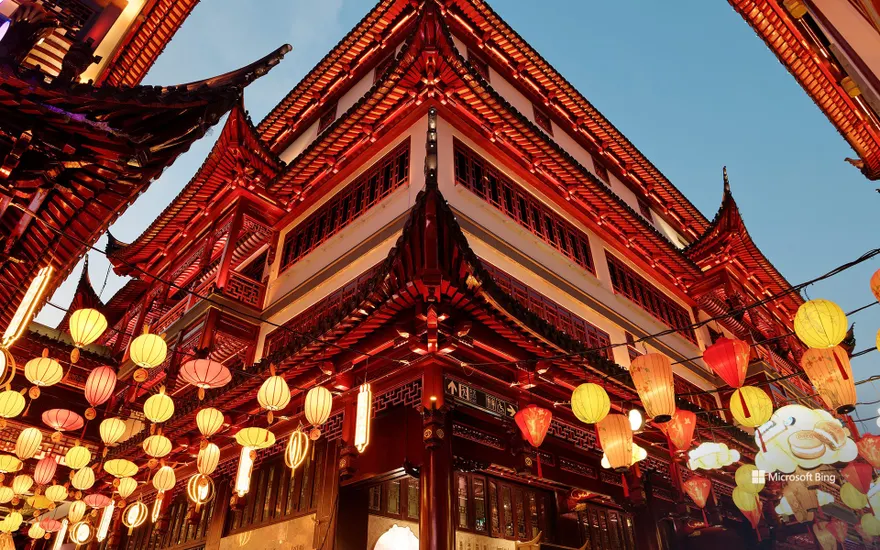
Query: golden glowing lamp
[(748, 480), (319, 403), (83, 479), (148, 350), (745, 500), (135, 515), (820, 324), (208, 459), (9, 464), (104, 524), (126, 487), (852, 497), (6, 494), (590, 403), (830, 372), (363, 418), (164, 479), (157, 446), (615, 438), (43, 371), (274, 395), (159, 407), (36, 532), (56, 493), (200, 490), (11, 403), (81, 533), (639, 454), (652, 376), (157, 507), (245, 470), (76, 511), (119, 468), (111, 430), (256, 438), (86, 326), (297, 449), (77, 457), (209, 421), (28, 443), (751, 406), (7, 366), (21, 484), (25, 310)]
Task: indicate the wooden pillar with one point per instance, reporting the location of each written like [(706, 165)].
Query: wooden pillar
[(327, 512), (218, 519), (229, 248), (435, 482), (645, 519)]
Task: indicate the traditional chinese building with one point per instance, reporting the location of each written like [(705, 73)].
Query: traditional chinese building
[(433, 222)]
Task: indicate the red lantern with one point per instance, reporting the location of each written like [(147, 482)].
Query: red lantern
[(869, 449), (729, 359), (860, 475), (99, 387), (533, 422), (62, 420), (97, 500), (698, 488), (45, 470), (754, 517), (680, 430), (838, 528), (205, 374), (50, 525)]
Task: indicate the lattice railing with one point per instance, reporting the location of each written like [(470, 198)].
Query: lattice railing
[(245, 290)]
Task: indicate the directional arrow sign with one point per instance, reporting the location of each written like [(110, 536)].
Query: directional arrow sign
[(451, 388), (479, 399)]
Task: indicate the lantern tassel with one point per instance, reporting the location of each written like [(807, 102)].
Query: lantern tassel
[(742, 401)]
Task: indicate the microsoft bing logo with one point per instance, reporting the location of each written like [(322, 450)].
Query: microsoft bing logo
[(762, 476), (758, 477)]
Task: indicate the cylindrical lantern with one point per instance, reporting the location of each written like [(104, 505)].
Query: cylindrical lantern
[(751, 406), (164, 479), (256, 438), (533, 422), (749, 478), (104, 524), (852, 497), (245, 469), (859, 474), (830, 372), (680, 430), (820, 324), (21, 484), (652, 377), (296, 450), (208, 459), (274, 395), (745, 500), (56, 493), (83, 479), (76, 511), (869, 449), (209, 421), (319, 403), (126, 487), (99, 387), (77, 457), (148, 350), (45, 470), (205, 374), (86, 326), (698, 488), (200, 490), (120, 467), (157, 446), (590, 403), (28, 443), (729, 359), (615, 438), (11, 403), (43, 371), (111, 430), (135, 515), (159, 407)]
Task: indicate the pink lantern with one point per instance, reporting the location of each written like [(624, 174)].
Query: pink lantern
[(99, 387), (62, 420), (96, 500), (45, 470), (205, 374), (50, 525), (860, 475)]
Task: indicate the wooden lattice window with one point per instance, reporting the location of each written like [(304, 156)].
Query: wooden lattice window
[(327, 118), (397, 498), (479, 64), (180, 531), (627, 282), (600, 170), (485, 505), (542, 119), (683, 388), (390, 173), (485, 181), (604, 528)]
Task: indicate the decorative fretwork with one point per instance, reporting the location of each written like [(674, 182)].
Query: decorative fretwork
[(477, 436), (611, 477), (578, 468), (245, 290), (582, 439), (408, 394)]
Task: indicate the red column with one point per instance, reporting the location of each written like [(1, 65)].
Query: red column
[(435, 481)]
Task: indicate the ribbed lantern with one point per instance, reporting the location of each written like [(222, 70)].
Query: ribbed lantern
[(209, 421), (44, 471), (11, 404), (21, 484), (257, 438), (56, 493), (200, 490), (859, 474), (126, 487), (208, 459), (86, 326), (111, 430), (729, 359), (590, 403), (745, 500), (120, 467), (820, 324), (748, 480), (274, 395), (680, 430), (205, 374), (870, 524), (652, 377), (615, 438), (869, 449), (96, 500), (164, 479), (77, 457), (6, 494), (159, 407), (830, 373), (297, 449), (28, 443), (852, 497), (533, 422), (76, 511), (83, 479), (751, 406), (157, 446), (14, 520), (36, 532), (99, 387), (81, 533), (135, 515), (148, 350), (43, 371), (62, 420), (9, 464), (319, 403)]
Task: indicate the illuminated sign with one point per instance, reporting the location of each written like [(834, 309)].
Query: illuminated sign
[(26, 308), (363, 418)]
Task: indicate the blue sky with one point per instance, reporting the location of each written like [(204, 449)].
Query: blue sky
[(688, 82)]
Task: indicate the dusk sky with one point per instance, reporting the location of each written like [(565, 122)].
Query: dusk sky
[(688, 82)]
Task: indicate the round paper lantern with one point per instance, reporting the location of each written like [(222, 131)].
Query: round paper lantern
[(62, 420), (205, 374), (297, 449), (751, 406), (319, 403), (45, 470), (255, 438), (159, 407), (652, 376), (9, 464), (533, 422), (6, 494), (875, 284), (77, 457), (590, 403), (274, 395), (157, 446), (96, 500), (56, 493), (164, 480), (14, 520), (698, 488), (745, 500), (83, 479), (680, 430), (729, 359), (830, 372), (638, 455), (36, 532), (615, 438), (28, 443), (11, 404), (126, 487), (200, 490), (99, 387), (852, 497), (86, 326), (119, 468), (208, 459), (820, 324), (148, 350), (870, 524), (81, 533), (39, 502), (748, 480), (869, 449), (111, 430), (636, 420), (76, 511), (43, 371), (859, 474), (21, 484), (135, 515), (209, 421)]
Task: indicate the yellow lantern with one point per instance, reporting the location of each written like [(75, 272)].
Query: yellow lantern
[(830, 372), (14, 520), (83, 479), (164, 480), (820, 324), (159, 408), (81, 533), (119, 468), (148, 350), (319, 403), (9, 464), (56, 493), (209, 421), (157, 446), (36, 532), (135, 515), (639, 454), (852, 497), (751, 406), (590, 403), (208, 459), (200, 490), (6, 494), (274, 395), (296, 450), (43, 371), (28, 443), (256, 438), (76, 511), (39, 502), (77, 457), (111, 430), (11, 404), (21, 484), (745, 500), (870, 524), (652, 376), (126, 487), (86, 326), (748, 479), (615, 438)]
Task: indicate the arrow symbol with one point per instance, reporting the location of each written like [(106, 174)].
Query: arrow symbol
[(511, 411), (451, 387)]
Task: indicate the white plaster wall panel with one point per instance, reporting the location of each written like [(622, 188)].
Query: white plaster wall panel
[(354, 94), (299, 144)]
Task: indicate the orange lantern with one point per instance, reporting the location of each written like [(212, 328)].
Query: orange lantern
[(754, 517), (830, 372), (533, 422), (652, 377), (680, 430), (869, 449), (62, 420), (698, 488), (875, 284), (99, 387), (859, 474), (205, 374), (729, 359), (615, 438)]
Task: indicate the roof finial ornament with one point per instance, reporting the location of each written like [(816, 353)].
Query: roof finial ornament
[(431, 151), (726, 181)]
